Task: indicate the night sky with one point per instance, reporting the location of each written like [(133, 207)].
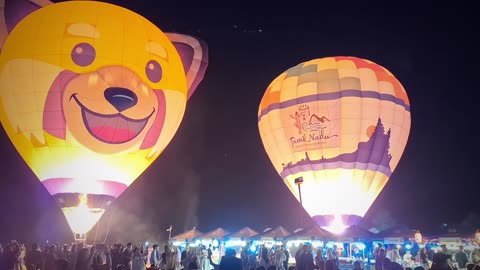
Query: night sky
[(215, 172)]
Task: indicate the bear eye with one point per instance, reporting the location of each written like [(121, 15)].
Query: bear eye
[(83, 54), (153, 71)]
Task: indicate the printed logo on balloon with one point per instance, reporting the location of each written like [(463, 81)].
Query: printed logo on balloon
[(314, 128)]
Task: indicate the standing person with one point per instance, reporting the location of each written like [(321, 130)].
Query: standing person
[(192, 259), (102, 258), (115, 253), (144, 253), (461, 257), (64, 253), (84, 259), (170, 258), (475, 256), (163, 258), (287, 257), (244, 257), (442, 257), (203, 258), (127, 256), (155, 257), (264, 259), (137, 260), (407, 259), (252, 256), (280, 258), (306, 259), (51, 257), (229, 261), (210, 252), (178, 259), (430, 253), (380, 256), (62, 264), (424, 259), (184, 257), (297, 255), (21, 258), (357, 266), (319, 261), (34, 258), (395, 255), (336, 257), (331, 262), (73, 257)]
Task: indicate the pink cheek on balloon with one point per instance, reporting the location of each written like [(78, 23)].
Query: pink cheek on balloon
[(154, 133), (53, 116)]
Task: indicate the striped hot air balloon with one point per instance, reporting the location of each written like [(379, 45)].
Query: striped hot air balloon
[(341, 124)]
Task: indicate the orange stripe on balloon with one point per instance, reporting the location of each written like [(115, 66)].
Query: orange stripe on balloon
[(271, 98)]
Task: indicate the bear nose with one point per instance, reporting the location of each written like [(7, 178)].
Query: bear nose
[(120, 98)]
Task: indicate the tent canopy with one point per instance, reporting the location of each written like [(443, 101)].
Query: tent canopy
[(188, 235), (246, 232), (278, 232), (313, 232), (218, 233)]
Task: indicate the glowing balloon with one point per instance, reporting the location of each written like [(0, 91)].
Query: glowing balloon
[(90, 95), (340, 123)]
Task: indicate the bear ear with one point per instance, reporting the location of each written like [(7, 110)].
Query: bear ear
[(13, 11), (194, 54)]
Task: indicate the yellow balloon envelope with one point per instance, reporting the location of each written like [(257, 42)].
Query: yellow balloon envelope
[(90, 95), (340, 124)]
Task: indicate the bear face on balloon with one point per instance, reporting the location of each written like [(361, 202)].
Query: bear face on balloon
[(115, 86), (109, 113)]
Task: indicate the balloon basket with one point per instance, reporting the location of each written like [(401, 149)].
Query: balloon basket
[(80, 237)]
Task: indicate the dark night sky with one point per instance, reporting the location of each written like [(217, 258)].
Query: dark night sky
[(215, 171)]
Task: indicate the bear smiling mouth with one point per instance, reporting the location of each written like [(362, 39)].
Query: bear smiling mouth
[(111, 128)]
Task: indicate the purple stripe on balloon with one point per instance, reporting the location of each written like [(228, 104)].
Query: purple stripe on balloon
[(332, 96), (66, 185), (335, 165)]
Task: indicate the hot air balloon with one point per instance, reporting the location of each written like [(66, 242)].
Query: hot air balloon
[(338, 126), (90, 95)]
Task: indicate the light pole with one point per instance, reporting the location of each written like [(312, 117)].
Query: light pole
[(299, 181), (169, 233)]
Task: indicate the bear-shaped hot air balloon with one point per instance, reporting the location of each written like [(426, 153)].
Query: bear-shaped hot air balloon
[(90, 94), (338, 126)]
